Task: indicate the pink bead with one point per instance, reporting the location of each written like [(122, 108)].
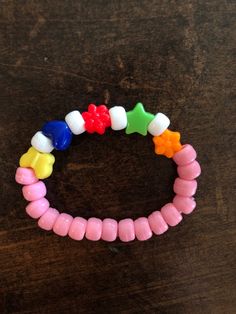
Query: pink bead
[(142, 229), (48, 219), (34, 191), (157, 223), (171, 215), (190, 171), (109, 229), (185, 156), (184, 204), (77, 228), (62, 224), (185, 187), (94, 229), (25, 176), (37, 208), (126, 230)]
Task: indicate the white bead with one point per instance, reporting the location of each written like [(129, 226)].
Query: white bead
[(75, 122), (159, 124), (118, 118), (42, 143)]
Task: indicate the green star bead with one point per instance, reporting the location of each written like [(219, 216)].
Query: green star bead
[(138, 120)]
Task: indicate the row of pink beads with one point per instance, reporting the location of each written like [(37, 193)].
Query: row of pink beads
[(108, 229)]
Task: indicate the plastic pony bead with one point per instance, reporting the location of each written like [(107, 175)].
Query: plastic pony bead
[(42, 143), (75, 122), (25, 176), (42, 163), (118, 118), (159, 124)]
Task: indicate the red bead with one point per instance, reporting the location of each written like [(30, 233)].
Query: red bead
[(97, 119)]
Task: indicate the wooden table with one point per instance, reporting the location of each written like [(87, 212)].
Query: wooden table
[(177, 58)]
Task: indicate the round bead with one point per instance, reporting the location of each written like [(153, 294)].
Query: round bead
[(190, 171), (37, 208), (47, 220), (159, 124), (94, 229), (34, 191), (77, 228), (142, 229), (185, 156), (157, 223), (109, 229), (184, 204), (42, 143), (185, 187), (75, 122), (126, 230), (25, 176), (62, 224), (171, 215), (118, 118)]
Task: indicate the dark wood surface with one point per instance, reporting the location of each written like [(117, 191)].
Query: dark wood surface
[(175, 57)]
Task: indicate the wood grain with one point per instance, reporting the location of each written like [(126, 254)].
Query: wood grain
[(175, 57)]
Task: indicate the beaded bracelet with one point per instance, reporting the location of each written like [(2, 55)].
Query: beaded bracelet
[(37, 164)]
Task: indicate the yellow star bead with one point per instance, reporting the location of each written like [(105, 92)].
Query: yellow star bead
[(42, 163), (167, 144)]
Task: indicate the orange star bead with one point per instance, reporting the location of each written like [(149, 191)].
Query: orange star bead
[(168, 143)]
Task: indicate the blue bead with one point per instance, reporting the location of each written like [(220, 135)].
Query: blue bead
[(59, 133)]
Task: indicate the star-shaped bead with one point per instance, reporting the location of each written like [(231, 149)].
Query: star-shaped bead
[(138, 120)]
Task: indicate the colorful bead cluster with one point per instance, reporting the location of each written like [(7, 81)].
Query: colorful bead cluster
[(37, 163)]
